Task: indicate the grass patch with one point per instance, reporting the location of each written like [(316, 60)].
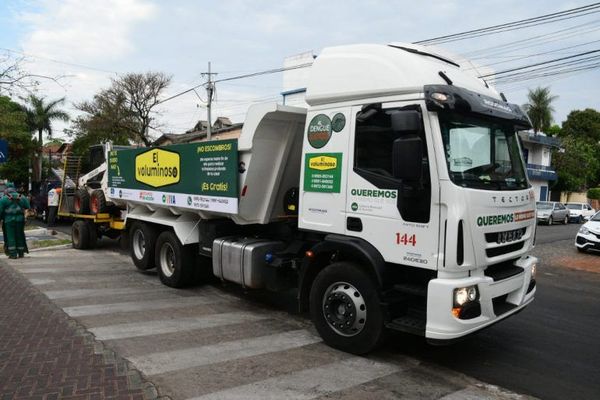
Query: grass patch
[(47, 243), (38, 244)]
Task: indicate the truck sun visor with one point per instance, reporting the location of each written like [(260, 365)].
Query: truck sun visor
[(452, 98)]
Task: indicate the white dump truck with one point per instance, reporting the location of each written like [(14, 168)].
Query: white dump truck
[(398, 199)]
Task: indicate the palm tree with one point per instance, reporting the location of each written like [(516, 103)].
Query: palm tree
[(39, 119), (540, 108)]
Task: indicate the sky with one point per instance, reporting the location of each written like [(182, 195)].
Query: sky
[(89, 42)]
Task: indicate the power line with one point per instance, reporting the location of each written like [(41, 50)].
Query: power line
[(589, 61), (251, 75), (520, 57), (540, 63), (520, 24), (511, 46), (59, 61)]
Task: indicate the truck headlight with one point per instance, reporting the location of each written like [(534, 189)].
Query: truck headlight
[(583, 230), (465, 295)]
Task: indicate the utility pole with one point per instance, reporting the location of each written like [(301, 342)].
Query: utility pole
[(210, 89)]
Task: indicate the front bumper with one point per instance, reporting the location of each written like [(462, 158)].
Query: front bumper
[(498, 299), (543, 219), (587, 241)]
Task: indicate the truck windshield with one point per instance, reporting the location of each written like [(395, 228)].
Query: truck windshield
[(482, 153)]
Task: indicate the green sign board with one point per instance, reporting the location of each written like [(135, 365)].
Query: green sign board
[(319, 131), (322, 172), (199, 176)]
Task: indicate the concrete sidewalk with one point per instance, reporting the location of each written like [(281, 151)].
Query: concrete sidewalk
[(44, 354)]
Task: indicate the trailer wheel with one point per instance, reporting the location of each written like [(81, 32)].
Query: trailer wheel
[(81, 203), (92, 234), (98, 202), (142, 239), (345, 308), (175, 262), (80, 235)]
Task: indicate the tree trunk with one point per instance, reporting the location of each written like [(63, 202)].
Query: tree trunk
[(38, 167)]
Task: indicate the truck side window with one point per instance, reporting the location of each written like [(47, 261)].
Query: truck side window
[(373, 146)]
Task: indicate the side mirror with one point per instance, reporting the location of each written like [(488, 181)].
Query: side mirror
[(407, 158), (406, 121)]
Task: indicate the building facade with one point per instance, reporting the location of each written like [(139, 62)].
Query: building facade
[(537, 153)]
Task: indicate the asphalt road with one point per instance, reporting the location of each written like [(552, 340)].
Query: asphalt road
[(550, 350)]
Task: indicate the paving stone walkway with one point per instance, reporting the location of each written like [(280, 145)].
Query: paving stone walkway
[(46, 355)]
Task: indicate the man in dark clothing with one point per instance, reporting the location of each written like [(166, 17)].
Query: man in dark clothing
[(12, 213)]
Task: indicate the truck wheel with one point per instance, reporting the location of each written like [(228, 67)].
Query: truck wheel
[(142, 239), (80, 235), (98, 202), (345, 308), (81, 203), (175, 262)]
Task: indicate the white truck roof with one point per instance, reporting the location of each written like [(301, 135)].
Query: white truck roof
[(376, 70)]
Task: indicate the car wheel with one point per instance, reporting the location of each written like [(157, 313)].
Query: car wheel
[(566, 220), (581, 219), (550, 220)]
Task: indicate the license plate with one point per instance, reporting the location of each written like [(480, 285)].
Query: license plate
[(510, 236)]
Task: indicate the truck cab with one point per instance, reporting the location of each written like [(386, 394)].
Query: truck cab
[(418, 162)]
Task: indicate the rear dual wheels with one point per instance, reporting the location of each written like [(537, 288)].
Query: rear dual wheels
[(174, 262), (345, 308), (142, 241)]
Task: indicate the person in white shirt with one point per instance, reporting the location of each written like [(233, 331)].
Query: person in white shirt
[(53, 198)]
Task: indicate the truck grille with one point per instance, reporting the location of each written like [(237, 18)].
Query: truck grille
[(505, 236), (498, 251)]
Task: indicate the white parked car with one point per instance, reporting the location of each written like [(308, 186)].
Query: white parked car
[(588, 236), (579, 212)]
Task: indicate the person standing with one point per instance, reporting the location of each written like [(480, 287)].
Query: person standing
[(12, 213), (53, 200)]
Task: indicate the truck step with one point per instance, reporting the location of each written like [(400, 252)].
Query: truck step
[(408, 324), (411, 289)]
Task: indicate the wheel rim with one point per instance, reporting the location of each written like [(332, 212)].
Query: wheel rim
[(344, 309), (139, 244), (167, 260), (76, 236), (550, 221)]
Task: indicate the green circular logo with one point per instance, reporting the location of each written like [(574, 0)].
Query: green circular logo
[(338, 122), (319, 131), (354, 206)]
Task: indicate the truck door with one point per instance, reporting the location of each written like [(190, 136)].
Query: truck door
[(385, 205)]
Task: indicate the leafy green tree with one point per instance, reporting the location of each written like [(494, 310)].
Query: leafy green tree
[(583, 124), (554, 130), (40, 115), (13, 128), (577, 165), (539, 108)]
